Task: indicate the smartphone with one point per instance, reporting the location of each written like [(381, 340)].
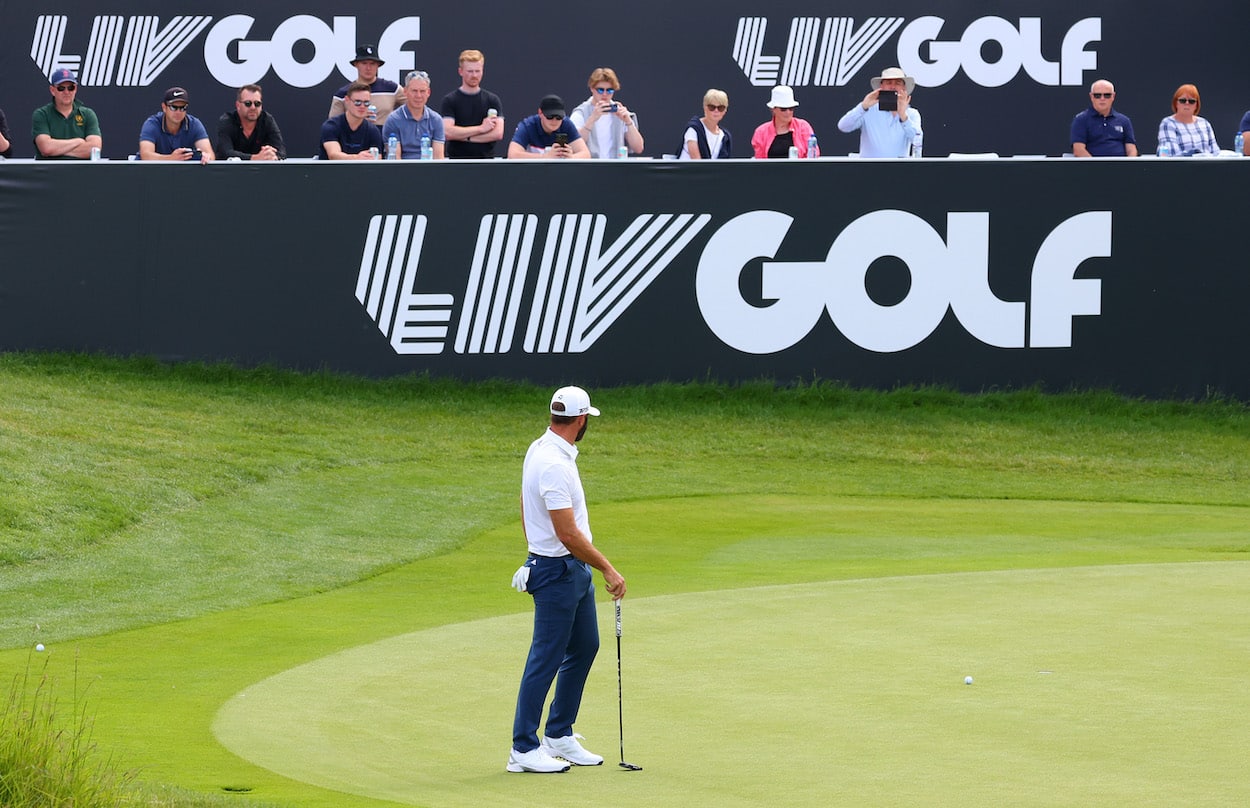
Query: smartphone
[(887, 100), (562, 138), (615, 106)]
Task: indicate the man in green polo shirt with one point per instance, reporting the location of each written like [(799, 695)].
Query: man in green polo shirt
[(64, 129)]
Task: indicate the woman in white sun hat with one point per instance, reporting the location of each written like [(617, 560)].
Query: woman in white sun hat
[(774, 138), (885, 132)]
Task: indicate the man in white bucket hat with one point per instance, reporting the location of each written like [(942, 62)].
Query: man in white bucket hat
[(885, 132)]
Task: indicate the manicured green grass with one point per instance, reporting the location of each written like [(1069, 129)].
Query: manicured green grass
[(187, 532)]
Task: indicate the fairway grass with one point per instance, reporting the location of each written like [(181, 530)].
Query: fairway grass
[(184, 539), (1093, 686)]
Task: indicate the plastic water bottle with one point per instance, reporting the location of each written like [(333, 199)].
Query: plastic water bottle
[(1164, 150), (1239, 143), (917, 145), (427, 151), (813, 148), (392, 148)]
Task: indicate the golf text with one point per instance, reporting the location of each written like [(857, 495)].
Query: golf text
[(578, 283)]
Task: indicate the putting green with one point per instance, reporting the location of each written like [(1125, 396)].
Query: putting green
[(1110, 685)]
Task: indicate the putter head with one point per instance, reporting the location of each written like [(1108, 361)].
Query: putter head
[(629, 767)]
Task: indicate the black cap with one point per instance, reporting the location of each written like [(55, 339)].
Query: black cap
[(367, 52), (176, 94), (551, 105)]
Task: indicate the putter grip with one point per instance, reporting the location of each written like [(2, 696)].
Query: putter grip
[(618, 618)]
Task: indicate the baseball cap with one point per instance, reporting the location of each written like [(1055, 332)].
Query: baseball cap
[(61, 76), (572, 401), (176, 94), (552, 105)]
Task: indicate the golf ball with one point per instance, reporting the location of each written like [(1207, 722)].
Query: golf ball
[(39, 647), (967, 680)]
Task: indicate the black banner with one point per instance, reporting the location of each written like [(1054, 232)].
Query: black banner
[(976, 274), (990, 78)]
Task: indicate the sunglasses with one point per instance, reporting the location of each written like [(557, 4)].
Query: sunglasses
[(250, 104), (66, 88), (178, 107), (717, 107), (602, 90), (360, 103), (1187, 100), (553, 117), (1101, 95), (417, 74)]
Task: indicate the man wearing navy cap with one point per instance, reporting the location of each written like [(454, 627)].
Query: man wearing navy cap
[(384, 94), (557, 574), (64, 129), (174, 133), (549, 134)]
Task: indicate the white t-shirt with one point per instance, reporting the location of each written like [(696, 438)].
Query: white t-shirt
[(550, 482), (713, 142)]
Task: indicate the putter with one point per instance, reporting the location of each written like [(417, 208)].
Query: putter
[(620, 701)]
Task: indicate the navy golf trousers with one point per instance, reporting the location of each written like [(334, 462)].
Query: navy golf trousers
[(565, 642)]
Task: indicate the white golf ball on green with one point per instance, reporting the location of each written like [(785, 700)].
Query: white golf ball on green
[(967, 680), (39, 647)]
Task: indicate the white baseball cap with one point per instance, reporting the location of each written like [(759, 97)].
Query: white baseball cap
[(572, 401)]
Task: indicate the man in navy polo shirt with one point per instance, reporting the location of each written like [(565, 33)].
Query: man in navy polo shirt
[(175, 134), (548, 135), (1100, 131)]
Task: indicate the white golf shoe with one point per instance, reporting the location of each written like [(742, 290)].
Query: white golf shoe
[(535, 760), (569, 749)]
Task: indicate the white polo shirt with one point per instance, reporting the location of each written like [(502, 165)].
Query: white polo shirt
[(550, 482)]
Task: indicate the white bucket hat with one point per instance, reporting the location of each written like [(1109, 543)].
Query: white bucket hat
[(909, 83), (783, 97)]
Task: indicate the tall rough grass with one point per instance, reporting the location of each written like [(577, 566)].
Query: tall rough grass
[(47, 756)]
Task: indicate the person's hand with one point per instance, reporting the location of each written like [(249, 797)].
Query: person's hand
[(615, 584), (183, 153), (488, 125), (266, 152), (903, 100), (623, 113), (561, 151), (869, 100)]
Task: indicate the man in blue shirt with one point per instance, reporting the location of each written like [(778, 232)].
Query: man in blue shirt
[(1100, 131), (886, 132), (549, 134), (415, 120), (351, 136), (175, 134)]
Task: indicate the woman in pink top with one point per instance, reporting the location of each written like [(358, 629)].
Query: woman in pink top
[(774, 138)]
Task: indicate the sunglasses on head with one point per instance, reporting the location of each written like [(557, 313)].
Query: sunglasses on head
[(250, 104), (717, 107), (1187, 100), (1101, 95)]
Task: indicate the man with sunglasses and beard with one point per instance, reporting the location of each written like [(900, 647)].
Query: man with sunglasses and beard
[(249, 132), (549, 134), (174, 133), (64, 129), (1100, 131)]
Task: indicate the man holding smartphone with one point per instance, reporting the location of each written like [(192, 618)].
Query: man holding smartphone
[(887, 121), (549, 134)]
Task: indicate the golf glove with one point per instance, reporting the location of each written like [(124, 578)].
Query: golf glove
[(521, 580)]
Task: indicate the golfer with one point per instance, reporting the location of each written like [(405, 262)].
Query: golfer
[(557, 574)]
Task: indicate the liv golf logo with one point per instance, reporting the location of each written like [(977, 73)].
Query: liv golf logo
[(577, 286), (830, 51)]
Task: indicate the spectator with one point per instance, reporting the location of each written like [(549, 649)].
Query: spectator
[(1183, 132), (1243, 128), (774, 138), (603, 121), (548, 134), (174, 133), (383, 93), (885, 132), (63, 129), (705, 138), (472, 117), (1100, 131), (249, 132), (415, 119), (6, 145), (346, 136)]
